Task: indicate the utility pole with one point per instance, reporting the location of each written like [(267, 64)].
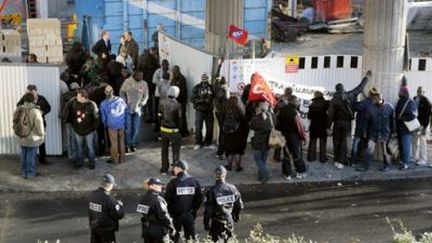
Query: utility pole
[(384, 45)]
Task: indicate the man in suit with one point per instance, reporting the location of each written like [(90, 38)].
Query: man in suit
[(102, 48)]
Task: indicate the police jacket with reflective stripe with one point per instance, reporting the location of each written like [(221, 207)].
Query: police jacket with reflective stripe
[(103, 214), (222, 203), (183, 195), (154, 210)]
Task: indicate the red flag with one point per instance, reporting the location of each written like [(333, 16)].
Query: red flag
[(240, 36), (260, 90)]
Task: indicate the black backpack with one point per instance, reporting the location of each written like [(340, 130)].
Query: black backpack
[(230, 124)]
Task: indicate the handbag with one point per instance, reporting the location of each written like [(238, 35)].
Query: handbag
[(412, 125), (276, 139)]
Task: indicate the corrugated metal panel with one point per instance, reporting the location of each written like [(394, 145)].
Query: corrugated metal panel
[(14, 79)]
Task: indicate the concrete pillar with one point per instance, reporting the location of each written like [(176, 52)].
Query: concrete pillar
[(384, 45)]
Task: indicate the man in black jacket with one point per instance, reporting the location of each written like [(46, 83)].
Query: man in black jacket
[(340, 114), (131, 46), (85, 121), (223, 205), (180, 81), (419, 137), (184, 198), (203, 102), (104, 212), (102, 48), (156, 221), (170, 118), (45, 107)]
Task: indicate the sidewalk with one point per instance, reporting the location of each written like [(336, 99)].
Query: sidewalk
[(60, 176)]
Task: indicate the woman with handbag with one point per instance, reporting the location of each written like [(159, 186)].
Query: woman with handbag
[(406, 122), (261, 124)]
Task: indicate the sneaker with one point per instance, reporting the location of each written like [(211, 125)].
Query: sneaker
[(164, 173), (361, 169), (133, 149), (239, 169), (220, 157), (127, 150), (288, 178), (211, 146), (44, 162), (91, 167), (110, 161), (197, 146), (403, 167), (301, 175), (421, 163), (339, 166)]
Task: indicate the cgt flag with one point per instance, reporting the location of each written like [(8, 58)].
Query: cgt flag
[(240, 36), (260, 90)]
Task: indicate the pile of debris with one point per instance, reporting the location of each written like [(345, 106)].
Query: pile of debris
[(329, 15)]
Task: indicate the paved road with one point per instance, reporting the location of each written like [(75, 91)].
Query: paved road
[(338, 214)]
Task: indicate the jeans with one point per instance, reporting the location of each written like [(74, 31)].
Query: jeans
[(370, 153), (420, 146), (72, 145), (133, 125), (341, 135), (357, 149), (89, 140), (175, 140), (200, 118), (260, 158), (28, 161), (405, 144)]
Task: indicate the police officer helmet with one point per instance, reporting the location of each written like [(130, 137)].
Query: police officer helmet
[(109, 179), (220, 170), (154, 181)]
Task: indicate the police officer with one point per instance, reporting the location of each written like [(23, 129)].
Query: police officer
[(170, 115), (184, 198), (223, 205), (156, 221), (104, 212)]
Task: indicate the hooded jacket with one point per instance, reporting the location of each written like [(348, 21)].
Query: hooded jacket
[(37, 134), (113, 112)]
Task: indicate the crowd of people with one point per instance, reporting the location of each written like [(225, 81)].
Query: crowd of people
[(106, 99)]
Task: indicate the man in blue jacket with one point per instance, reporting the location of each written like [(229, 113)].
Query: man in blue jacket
[(379, 127), (113, 110)]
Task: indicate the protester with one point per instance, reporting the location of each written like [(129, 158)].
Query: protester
[(105, 211), (75, 59), (156, 221), (45, 107), (233, 129), (262, 126), (291, 125), (222, 94), (180, 81), (129, 44), (29, 128), (340, 114), (184, 198), (115, 75), (223, 205), (420, 137), (148, 63), (135, 92), (317, 130), (126, 60), (102, 48), (202, 99), (32, 58), (66, 117), (170, 119), (359, 143), (379, 127), (85, 121), (406, 110), (113, 113), (156, 80), (282, 102)]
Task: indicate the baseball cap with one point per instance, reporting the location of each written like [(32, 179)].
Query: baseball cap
[(155, 181), (181, 164), (220, 170), (108, 178), (74, 86)]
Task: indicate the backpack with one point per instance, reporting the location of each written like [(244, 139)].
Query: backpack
[(21, 122), (230, 124)]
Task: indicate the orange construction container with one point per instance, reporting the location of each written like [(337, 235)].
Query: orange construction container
[(328, 10)]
